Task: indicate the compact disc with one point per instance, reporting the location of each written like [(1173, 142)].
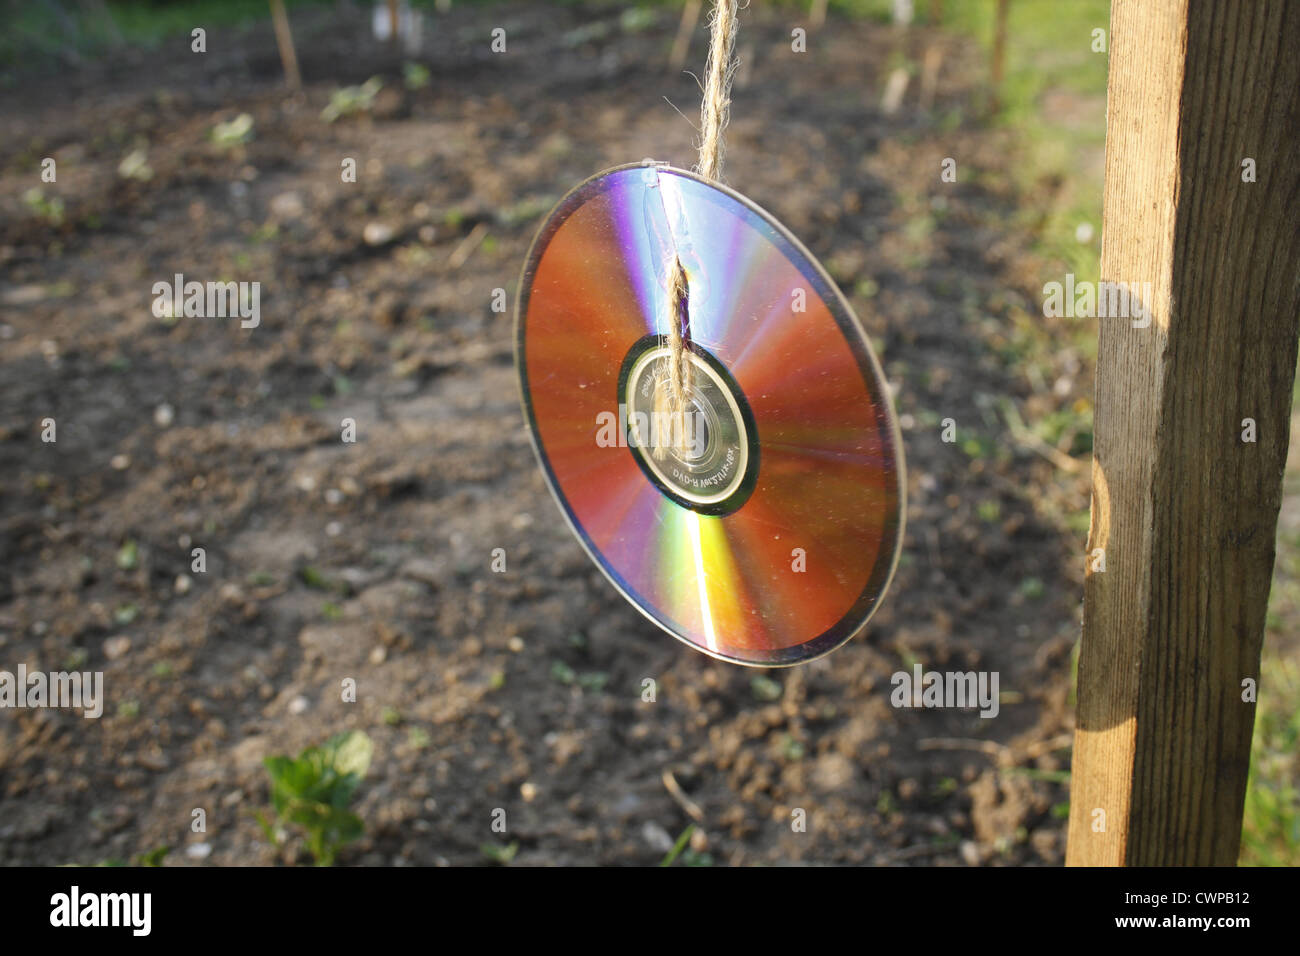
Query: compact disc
[(767, 529)]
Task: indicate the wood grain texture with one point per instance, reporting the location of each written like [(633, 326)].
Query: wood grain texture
[(1185, 510)]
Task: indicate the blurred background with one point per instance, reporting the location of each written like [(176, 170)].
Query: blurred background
[(498, 716)]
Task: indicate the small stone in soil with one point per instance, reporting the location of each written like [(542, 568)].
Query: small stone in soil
[(656, 836), (287, 205), (377, 233)]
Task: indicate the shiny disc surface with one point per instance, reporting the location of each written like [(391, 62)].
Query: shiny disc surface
[(767, 536)]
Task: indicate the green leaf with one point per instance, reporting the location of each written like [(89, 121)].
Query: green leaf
[(352, 751), (153, 857), (313, 791), (500, 854)]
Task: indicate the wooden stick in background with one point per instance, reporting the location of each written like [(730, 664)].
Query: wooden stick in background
[(999, 51), (682, 42), (284, 40), (818, 13)]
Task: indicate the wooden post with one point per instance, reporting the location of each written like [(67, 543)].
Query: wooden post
[(817, 15), (393, 22), (999, 51), (1192, 424), (284, 40), (682, 42)]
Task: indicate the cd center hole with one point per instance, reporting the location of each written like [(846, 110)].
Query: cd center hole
[(697, 432)]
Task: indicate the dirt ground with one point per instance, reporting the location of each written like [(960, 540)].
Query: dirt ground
[(328, 560)]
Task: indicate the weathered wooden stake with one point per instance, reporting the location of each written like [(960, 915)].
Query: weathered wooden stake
[(284, 40), (682, 42), (1202, 202), (999, 51), (817, 15)]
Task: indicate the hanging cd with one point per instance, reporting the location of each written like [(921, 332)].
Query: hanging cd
[(767, 530)]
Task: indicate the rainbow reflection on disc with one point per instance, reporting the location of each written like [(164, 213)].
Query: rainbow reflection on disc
[(768, 535)]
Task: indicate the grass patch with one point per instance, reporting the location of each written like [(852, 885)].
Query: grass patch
[(1270, 829)]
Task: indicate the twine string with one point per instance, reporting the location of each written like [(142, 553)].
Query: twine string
[(715, 112)]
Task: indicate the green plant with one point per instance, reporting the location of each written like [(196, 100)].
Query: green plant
[(352, 99), (500, 854), (562, 673), (415, 76), (1270, 833), (128, 556), (683, 849), (312, 792), (233, 133), (152, 857), (135, 165), (316, 579), (48, 208), (682, 842), (764, 688)]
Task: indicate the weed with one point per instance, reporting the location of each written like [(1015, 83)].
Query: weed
[(1270, 832), (682, 842), (233, 133), (313, 791), (128, 556), (49, 209), (415, 76), (500, 854), (352, 99), (764, 688)]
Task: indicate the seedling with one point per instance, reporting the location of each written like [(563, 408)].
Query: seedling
[(500, 854), (234, 133), (415, 76), (682, 849), (152, 857), (312, 793), (352, 99), (128, 556), (48, 208)]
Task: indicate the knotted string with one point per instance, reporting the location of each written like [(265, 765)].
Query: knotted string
[(715, 111)]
